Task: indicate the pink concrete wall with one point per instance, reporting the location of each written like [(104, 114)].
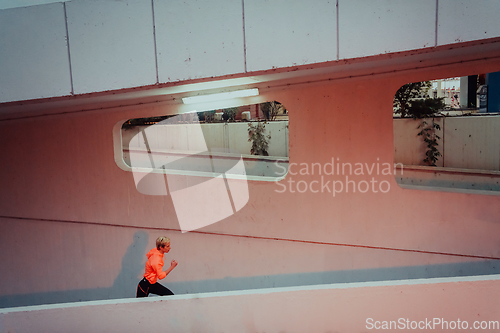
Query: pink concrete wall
[(432, 305), (73, 223)]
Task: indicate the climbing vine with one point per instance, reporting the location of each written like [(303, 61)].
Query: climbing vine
[(428, 132), (260, 141)]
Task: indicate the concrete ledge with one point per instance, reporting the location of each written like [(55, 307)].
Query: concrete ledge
[(345, 307)]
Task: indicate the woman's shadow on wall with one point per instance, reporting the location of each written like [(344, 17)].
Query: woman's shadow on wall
[(125, 284)]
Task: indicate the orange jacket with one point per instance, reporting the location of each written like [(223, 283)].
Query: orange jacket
[(154, 266)]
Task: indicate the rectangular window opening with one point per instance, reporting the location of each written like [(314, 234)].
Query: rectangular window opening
[(244, 142), (446, 134)]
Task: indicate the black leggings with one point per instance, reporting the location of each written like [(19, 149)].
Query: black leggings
[(145, 288)]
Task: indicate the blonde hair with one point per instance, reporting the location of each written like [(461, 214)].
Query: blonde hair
[(162, 241)]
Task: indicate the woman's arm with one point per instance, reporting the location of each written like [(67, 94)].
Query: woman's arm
[(172, 266)]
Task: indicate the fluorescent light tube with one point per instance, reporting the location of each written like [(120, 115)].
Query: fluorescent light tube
[(220, 96)]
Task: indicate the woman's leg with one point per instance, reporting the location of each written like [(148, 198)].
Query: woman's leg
[(143, 288), (160, 290)]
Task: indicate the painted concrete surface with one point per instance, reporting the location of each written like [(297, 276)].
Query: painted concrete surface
[(368, 28), (102, 262), (34, 60), (472, 143), (62, 186), (111, 44), (465, 142), (198, 39), (464, 20), (74, 227), (296, 33), (418, 305), (96, 46)]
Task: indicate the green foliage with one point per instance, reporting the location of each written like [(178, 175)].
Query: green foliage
[(407, 93), (229, 114), (201, 116), (143, 121), (272, 109), (409, 102), (421, 108), (260, 142), (428, 133), (209, 116)]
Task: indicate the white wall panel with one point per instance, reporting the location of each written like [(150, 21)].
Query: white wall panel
[(6, 4), (466, 20), (288, 33), (469, 143), (33, 53), (111, 44), (112, 47), (369, 27), (198, 38)]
